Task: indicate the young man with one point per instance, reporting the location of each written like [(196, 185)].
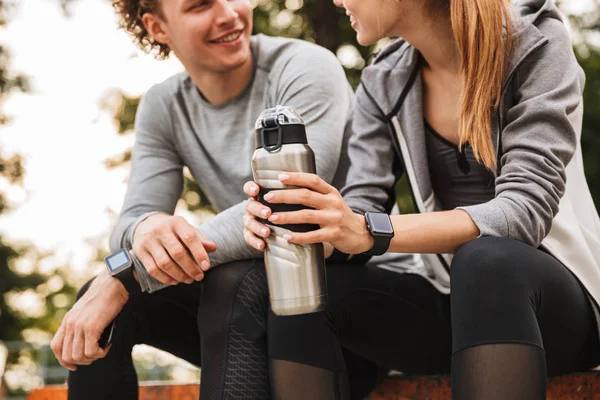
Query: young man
[(202, 119)]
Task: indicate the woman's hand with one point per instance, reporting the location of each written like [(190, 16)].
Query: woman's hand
[(255, 232), (339, 225)]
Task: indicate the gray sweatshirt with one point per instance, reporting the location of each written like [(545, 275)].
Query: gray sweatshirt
[(176, 127)]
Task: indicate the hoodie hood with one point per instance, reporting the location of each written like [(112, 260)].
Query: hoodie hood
[(396, 65), (529, 11)]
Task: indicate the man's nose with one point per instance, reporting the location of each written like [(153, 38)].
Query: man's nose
[(338, 3), (226, 13)]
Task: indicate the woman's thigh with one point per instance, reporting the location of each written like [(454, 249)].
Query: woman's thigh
[(507, 291), (397, 320)]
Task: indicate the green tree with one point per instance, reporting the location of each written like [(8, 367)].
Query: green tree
[(11, 170), (16, 283), (586, 27)]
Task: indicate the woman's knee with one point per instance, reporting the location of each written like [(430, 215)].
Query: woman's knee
[(493, 293), (490, 264)]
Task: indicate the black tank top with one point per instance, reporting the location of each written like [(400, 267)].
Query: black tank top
[(456, 177)]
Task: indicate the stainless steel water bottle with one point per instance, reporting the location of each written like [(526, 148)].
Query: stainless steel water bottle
[(295, 273)]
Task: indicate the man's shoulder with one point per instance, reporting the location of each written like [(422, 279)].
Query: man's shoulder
[(167, 90), (276, 51)]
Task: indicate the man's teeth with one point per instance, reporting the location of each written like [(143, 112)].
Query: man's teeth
[(229, 38)]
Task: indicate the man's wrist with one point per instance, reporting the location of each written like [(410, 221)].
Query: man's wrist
[(112, 285)]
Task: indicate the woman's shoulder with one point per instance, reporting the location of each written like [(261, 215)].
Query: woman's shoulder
[(543, 51), (398, 52), (392, 69)]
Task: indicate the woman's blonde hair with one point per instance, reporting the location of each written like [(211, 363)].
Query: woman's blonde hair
[(479, 29)]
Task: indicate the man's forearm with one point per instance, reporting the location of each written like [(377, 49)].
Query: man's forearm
[(225, 230)]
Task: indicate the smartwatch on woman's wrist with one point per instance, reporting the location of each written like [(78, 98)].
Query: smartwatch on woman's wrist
[(380, 228)]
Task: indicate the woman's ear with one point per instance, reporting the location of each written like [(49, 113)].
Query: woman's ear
[(156, 28)]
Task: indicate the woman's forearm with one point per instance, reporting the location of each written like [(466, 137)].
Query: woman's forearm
[(435, 232)]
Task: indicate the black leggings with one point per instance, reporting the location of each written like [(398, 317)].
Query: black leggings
[(515, 316), (219, 324)]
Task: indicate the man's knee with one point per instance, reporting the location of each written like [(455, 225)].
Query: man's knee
[(237, 289)]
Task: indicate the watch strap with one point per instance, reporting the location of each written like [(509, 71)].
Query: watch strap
[(128, 280), (380, 245)]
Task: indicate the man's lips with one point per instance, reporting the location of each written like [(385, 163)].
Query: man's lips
[(228, 37)]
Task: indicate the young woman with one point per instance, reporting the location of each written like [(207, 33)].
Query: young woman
[(480, 105)]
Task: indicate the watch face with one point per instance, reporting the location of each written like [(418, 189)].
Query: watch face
[(380, 224), (118, 261)]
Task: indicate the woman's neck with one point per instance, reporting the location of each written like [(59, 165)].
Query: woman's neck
[(221, 87), (434, 39)]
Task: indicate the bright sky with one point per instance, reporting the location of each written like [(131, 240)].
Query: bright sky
[(65, 138)]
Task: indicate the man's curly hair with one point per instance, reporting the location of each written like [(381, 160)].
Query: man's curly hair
[(130, 19)]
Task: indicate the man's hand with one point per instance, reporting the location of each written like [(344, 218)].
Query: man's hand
[(171, 249), (76, 341)]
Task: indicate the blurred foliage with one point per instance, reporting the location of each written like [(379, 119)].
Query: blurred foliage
[(11, 169), (590, 138), (586, 28), (54, 293)]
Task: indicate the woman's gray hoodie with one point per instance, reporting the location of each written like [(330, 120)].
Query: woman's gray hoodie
[(541, 196)]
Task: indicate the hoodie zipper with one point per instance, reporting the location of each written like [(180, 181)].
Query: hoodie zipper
[(396, 144)]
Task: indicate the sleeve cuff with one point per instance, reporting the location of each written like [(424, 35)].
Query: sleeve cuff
[(147, 283), (135, 224), (489, 218)]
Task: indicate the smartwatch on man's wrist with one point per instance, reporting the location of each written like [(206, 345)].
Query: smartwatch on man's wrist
[(120, 266), (380, 228)]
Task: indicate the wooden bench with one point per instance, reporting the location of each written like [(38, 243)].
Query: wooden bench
[(584, 386)]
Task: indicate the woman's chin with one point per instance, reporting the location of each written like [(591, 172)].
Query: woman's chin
[(364, 40)]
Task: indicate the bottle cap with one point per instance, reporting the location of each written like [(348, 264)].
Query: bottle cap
[(278, 126)]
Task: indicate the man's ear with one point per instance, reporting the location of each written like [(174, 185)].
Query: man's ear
[(156, 28)]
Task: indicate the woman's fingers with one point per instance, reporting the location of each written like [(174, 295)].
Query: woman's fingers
[(300, 217), (251, 188), (303, 179), (317, 236), (253, 240), (256, 209), (256, 227), (305, 197)]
